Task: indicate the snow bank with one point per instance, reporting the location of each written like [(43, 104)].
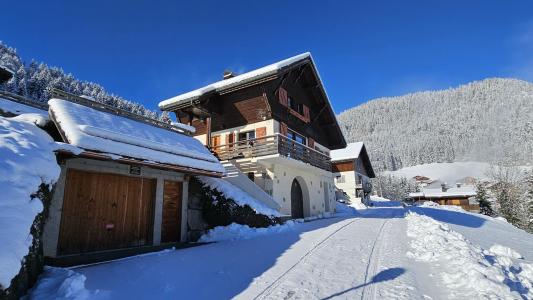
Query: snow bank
[(466, 269), (236, 231), (26, 160), (59, 283), (241, 197)]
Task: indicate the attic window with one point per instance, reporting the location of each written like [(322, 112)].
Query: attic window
[(297, 107)]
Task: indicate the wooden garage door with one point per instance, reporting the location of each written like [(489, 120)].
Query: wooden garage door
[(106, 211), (171, 222)]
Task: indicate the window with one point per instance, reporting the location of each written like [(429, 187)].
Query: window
[(298, 107), (246, 135), (296, 137)]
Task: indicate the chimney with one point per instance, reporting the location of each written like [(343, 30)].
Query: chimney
[(444, 187), (228, 74)]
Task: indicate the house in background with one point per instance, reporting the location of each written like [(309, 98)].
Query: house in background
[(352, 170), (273, 126), (123, 183), (460, 195)]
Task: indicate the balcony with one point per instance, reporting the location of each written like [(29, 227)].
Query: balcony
[(272, 145)]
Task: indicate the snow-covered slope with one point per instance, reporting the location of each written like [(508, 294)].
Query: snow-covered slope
[(445, 172), (478, 121), (26, 160)]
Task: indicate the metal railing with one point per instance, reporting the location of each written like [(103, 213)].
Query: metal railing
[(269, 145)]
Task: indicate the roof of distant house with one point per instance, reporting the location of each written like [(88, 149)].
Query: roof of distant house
[(463, 191), (120, 137), (352, 151)]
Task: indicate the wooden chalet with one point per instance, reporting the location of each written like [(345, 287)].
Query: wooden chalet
[(353, 170), (275, 125), (463, 196)]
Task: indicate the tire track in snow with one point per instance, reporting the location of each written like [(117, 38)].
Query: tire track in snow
[(272, 286), (373, 264)]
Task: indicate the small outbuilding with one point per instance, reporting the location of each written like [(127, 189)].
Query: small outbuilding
[(123, 183)]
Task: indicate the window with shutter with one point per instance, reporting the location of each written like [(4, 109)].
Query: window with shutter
[(283, 97)]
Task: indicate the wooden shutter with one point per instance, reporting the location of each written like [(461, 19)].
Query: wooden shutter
[(311, 143), (306, 113), (283, 97), (283, 128), (230, 139), (260, 132)]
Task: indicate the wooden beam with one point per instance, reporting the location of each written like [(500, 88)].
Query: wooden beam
[(208, 131)]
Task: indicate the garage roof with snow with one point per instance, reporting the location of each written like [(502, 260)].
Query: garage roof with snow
[(119, 137)]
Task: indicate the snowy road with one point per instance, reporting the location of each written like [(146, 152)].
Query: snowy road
[(377, 254)]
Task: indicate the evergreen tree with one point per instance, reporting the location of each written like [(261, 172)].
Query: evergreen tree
[(485, 207)]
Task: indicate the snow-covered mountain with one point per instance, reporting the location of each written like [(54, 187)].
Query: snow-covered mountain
[(487, 120)]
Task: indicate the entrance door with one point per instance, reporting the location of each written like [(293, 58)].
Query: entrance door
[(171, 222), (326, 195), (297, 201), (105, 211)]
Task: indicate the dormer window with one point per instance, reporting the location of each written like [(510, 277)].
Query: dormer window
[(297, 107)]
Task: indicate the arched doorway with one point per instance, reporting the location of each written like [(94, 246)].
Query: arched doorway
[(297, 200)]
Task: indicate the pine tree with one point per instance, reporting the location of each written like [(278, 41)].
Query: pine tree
[(485, 207)]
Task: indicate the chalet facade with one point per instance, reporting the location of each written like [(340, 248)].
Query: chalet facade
[(461, 195), (352, 170), (273, 126), (123, 183)]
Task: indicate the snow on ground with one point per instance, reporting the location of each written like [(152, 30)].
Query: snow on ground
[(27, 160), (236, 231), (467, 270), (241, 197), (356, 255)]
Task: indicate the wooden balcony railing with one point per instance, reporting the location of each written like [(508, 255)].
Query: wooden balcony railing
[(273, 144)]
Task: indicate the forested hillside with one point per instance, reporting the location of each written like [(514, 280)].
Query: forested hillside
[(489, 120), (34, 80)]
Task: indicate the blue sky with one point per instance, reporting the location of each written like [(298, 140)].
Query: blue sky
[(147, 51)]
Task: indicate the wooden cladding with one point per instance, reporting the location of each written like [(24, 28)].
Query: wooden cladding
[(252, 110), (171, 222), (342, 166), (105, 211)]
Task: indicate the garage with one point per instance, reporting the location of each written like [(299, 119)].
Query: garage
[(106, 211)]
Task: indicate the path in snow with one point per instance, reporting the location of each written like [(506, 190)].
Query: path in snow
[(356, 257)]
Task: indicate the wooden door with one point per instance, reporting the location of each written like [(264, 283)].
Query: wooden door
[(171, 222), (297, 200), (105, 211)]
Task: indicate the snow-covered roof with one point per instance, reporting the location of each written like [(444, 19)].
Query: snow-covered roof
[(102, 131), (234, 81), (351, 151), (16, 108), (463, 191)]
